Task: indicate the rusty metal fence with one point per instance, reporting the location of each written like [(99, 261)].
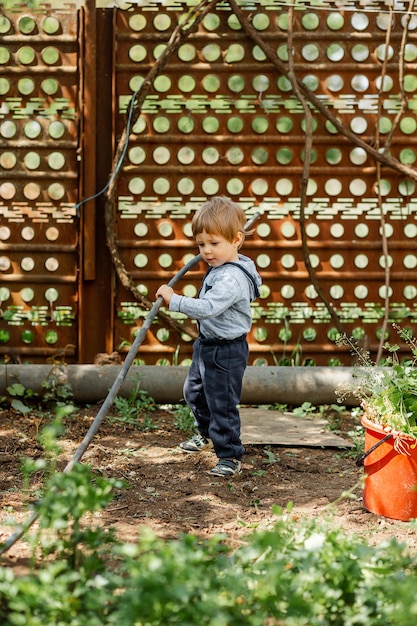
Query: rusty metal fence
[(220, 119)]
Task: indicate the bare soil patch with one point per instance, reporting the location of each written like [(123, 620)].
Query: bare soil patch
[(173, 493)]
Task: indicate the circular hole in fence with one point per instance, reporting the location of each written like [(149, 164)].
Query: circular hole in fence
[(359, 21), (258, 54), (32, 129), (410, 292), (211, 21), (210, 155), (235, 156), (25, 86), (311, 82), (26, 25), (186, 186), (186, 155), (361, 292), (263, 261), (162, 21), (357, 187), (337, 261), (312, 230), (161, 186), (7, 160), (8, 129), (5, 263), (337, 230), (186, 124), (4, 336), (26, 336), (52, 233), (284, 125), (287, 292), (186, 52), (284, 187), (336, 292), (236, 83), (50, 55), (287, 230), (282, 52), (335, 52), (408, 125), (211, 124), (234, 186), (284, 156), (314, 260), (234, 53), (50, 86), (165, 260), (333, 187), (31, 191), (211, 52), (333, 156), (234, 124), (310, 21), (51, 295), (5, 233), (284, 84), (51, 264), (137, 22), (161, 155), (360, 83), (136, 155), (410, 261), (263, 230), (140, 260), (141, 229), (7, 191), (186, 84), (210, 186), (358, 125), (137, 53), (358, 156), (311, 293), (387, 230), (288, 261), (309, 334), (211, 83), (56, 191), (310, 52), (334, 82), (26, 55), (361, 261), (27, 264), (4, 55), (136, 185), (56, 161), (410, 231), (161, 124), (360, 52), (385, 84)]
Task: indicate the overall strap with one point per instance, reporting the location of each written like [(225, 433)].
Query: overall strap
[(248, 274)]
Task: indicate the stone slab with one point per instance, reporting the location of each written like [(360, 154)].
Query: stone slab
[(262, 426)]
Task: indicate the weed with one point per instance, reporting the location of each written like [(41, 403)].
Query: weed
[(132, 410), (184, 419)]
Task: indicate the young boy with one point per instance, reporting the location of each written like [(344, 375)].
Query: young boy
[(213, 385)]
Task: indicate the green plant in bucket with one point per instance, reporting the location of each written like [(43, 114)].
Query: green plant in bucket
[(388, 395)]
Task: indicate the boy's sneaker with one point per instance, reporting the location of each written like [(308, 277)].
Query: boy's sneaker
[(226, 467), (195, 444)]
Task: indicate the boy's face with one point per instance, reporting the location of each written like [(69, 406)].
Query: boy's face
[(216, 250)]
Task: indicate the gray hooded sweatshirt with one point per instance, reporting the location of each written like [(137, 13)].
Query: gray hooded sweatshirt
[(223, 306)]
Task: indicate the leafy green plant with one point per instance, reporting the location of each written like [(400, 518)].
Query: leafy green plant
[(184, 419), (387, 394), (133, 409)]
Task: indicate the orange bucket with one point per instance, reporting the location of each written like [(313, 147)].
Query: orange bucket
[(390, 476)]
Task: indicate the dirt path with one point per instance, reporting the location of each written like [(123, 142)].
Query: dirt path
[(172, 492)]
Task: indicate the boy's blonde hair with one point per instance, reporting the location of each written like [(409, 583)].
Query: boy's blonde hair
[(219, 216)]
